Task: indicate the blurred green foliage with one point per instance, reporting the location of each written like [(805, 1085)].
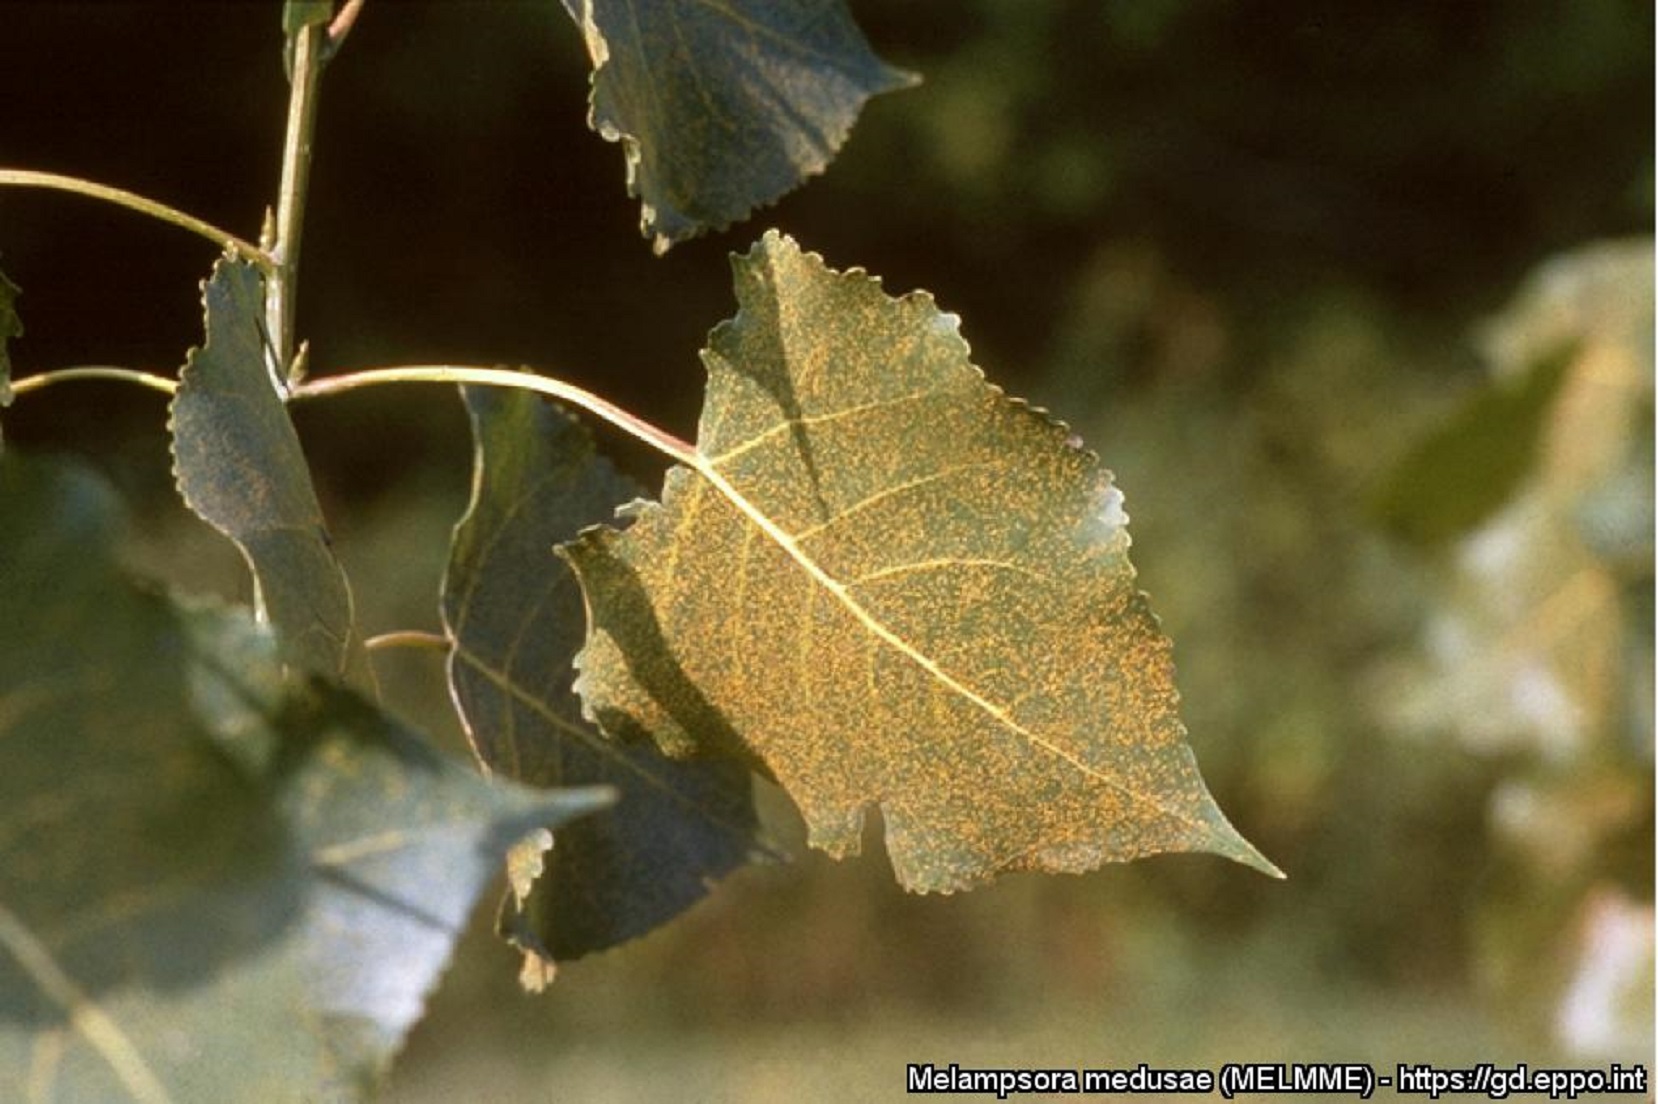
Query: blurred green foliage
[(1248, 253)]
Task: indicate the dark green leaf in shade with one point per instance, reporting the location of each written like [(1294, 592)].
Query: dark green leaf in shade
[(1460, 475), (722, 108), (239, 466), (10, 326), (514, 616), (214, 883), (896, 588)]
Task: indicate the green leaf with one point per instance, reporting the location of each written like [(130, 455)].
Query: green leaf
[(899, 589), (1460, 475), (1537, 639), (240, 467), (514, 614), (722, 108), (299, 14), (213, 884)]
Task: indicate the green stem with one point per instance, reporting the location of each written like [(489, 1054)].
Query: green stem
[(24, 178), (281, 288), (93, 372), (659, 439)]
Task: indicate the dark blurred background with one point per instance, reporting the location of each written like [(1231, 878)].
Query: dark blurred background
[(1284, 266)]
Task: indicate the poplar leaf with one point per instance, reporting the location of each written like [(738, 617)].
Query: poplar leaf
[(1537, 641), (897, 589), (210, 875), (1462, 474), (514, 616), (722, 108), (240, 467)]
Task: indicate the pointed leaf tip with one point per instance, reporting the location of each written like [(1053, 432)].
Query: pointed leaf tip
[(893, 586), (1229, 843)]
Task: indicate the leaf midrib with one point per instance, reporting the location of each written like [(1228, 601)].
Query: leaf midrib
[(708, 470)]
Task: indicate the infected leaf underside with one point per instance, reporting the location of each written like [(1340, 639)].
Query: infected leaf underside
[(892, 586)]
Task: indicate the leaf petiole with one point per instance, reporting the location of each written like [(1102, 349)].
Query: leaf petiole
[(408, 638), (343, 22), (631, 424), (94, 372), (25, 178), (634, 426)]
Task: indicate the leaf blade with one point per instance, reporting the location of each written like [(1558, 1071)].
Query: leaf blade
[(947, 562), (239, 466), (211, 877), (1460, 475), (513, 614), (723, 108)]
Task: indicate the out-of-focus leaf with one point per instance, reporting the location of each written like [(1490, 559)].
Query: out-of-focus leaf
[(240, 467), (895, 587), (213, 884), (722, 108), (1463, 473), (1524, 648), (1606, 1009), (1538, 648), (514, 616)]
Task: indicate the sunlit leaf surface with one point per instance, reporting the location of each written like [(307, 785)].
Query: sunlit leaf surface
[(897, 589)]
